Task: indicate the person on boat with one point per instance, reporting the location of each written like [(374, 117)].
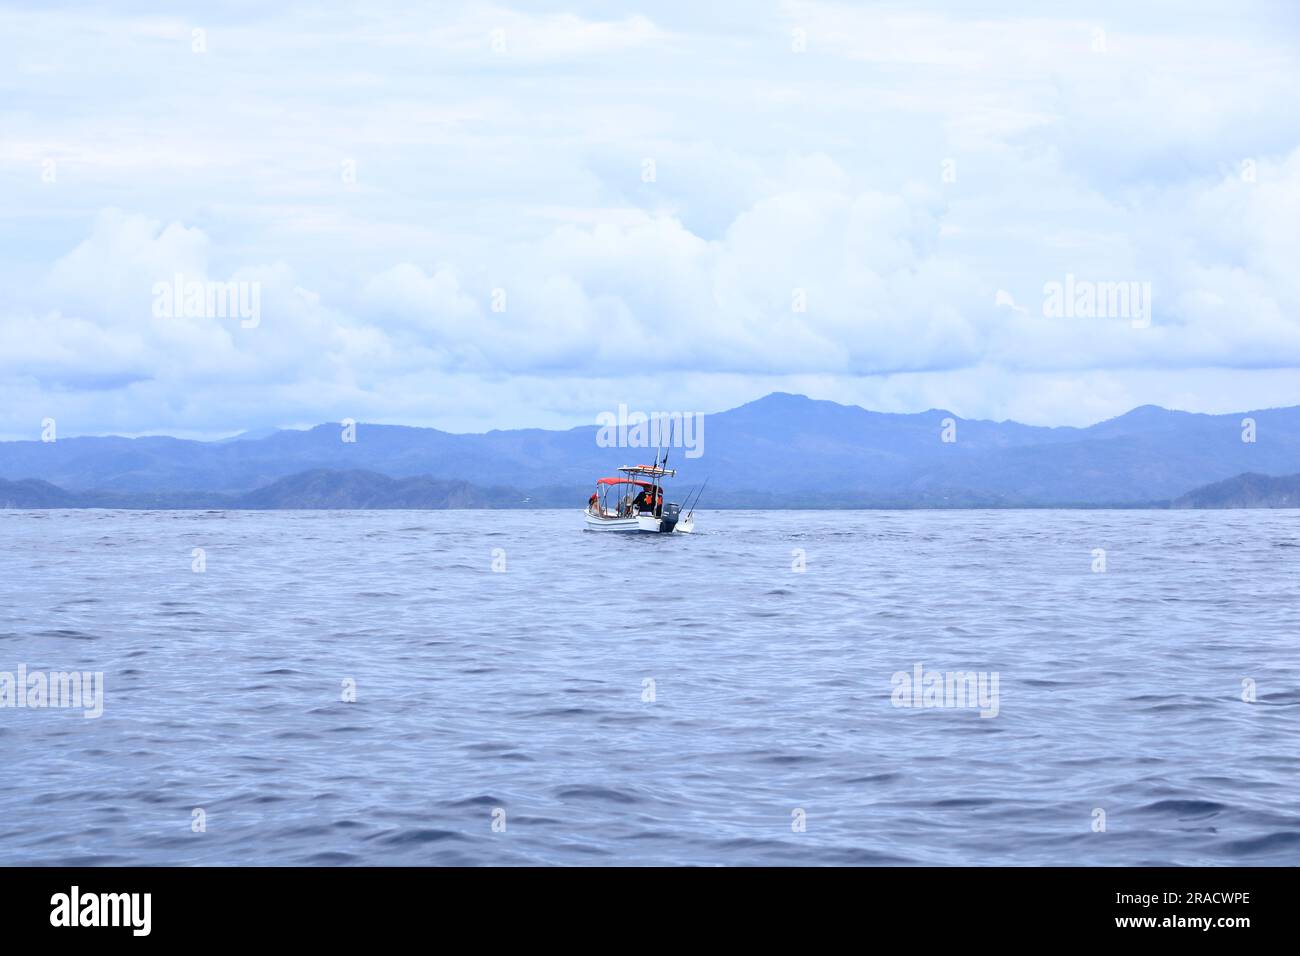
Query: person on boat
[(591, 502), (640, 502)]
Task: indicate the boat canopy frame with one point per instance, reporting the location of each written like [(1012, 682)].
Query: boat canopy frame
[(653, 471), (623, 503)]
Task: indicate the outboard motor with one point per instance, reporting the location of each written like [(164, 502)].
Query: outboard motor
[(668, 519)]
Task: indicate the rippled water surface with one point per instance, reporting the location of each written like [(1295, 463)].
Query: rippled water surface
[(525, 690)]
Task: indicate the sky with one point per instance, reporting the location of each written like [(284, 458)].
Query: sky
[(479, 215)]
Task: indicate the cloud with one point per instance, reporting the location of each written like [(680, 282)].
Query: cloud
[(872, 219), (539, 38)]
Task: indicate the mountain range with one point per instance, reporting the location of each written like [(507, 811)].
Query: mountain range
[(779, 451)]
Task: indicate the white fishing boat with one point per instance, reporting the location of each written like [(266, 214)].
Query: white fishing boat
[(634, 501)]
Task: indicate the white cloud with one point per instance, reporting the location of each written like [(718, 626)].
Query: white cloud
[(780, 177)]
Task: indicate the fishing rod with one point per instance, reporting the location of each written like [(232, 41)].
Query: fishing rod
[(697, 497)]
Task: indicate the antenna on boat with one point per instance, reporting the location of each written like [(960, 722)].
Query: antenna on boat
[(654, 480), (663, 466)]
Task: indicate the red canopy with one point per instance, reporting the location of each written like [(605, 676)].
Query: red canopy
[(623, 481)]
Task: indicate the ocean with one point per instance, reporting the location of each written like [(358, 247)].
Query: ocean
[(795, 687)]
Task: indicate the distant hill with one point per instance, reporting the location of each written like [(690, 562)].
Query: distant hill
[(779, 451), (31, 493), (309, 490), (367, 489), (1245, 491)]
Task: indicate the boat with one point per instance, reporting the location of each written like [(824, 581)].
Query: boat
[(633, 501)]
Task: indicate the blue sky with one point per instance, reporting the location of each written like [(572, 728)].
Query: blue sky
[(913, 175)]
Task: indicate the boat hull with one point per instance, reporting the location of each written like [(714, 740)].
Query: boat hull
[(643, 524)]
